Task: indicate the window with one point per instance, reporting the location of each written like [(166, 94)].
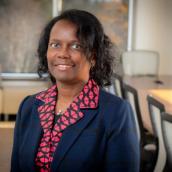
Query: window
[(22, 21)]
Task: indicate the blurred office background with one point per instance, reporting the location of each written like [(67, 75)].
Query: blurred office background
[(141, 31)]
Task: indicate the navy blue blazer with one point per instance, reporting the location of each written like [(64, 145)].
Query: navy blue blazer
[(105, 140)]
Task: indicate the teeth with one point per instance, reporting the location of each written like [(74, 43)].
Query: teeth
[(63, 67)]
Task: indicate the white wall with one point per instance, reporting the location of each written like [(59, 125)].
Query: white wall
[(153, 30)]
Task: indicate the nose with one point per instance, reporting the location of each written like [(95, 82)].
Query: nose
[(63, 52)]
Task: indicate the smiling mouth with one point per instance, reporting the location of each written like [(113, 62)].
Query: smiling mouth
[(63, 67)]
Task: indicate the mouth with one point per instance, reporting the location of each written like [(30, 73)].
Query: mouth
[(64, 67)]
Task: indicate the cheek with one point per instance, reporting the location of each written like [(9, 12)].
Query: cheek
[(49, 54), (85, 66), (50, 63), (49, 57)]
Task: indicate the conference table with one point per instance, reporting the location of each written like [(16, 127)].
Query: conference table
[(163, 95), (159, 87)]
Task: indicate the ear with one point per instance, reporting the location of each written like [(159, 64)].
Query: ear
[(93, 62), (93, 59)]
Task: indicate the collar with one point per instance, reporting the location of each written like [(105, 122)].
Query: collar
[(88, 97)]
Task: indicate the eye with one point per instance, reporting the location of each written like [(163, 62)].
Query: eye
[(54, 45), (76, 46)]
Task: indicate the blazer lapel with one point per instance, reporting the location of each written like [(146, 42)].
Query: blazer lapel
[(70, 136)]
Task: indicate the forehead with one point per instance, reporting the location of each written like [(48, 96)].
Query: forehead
[(63, 28)]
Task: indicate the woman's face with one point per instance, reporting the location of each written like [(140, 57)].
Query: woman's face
[(66, 60)]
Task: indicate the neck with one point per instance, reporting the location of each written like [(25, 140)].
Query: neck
[(66, 94), (67, 91)]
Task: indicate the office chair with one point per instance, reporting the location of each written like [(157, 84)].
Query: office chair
[(148, 143), (155, 110), (166, 121), (140, 62), (117, 83), (116, 86)]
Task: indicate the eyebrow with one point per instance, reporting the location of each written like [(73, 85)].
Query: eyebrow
[(57, 40)]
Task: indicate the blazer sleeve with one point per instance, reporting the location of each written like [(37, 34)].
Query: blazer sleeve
[(123, 153), (16, 141)]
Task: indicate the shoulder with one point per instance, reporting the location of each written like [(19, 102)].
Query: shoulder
[(28, 102), (25, 105), (32, 98), (110, 101), (116, 112)]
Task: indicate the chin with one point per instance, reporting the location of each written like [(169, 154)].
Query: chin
[(64, 79)]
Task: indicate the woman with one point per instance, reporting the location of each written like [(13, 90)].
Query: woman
[(75, 125)]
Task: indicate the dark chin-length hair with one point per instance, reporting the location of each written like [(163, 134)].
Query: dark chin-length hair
[(93, 39)]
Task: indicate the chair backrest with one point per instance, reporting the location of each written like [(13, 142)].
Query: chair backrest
[(131, 95), (140, 62), (155, 110), (167, 135), (110, 89), (117, 84)]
